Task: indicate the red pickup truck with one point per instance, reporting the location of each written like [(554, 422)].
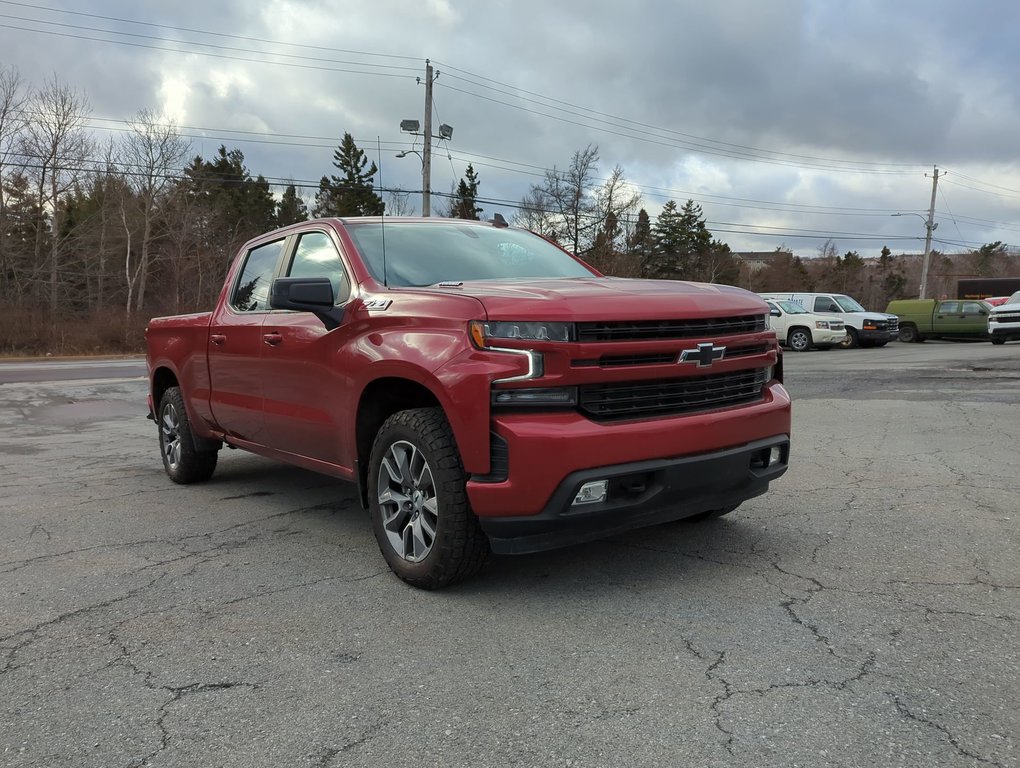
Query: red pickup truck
[(484, 389)]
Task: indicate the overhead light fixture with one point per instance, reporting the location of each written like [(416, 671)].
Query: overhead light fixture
[(411, 126), (445, 131)]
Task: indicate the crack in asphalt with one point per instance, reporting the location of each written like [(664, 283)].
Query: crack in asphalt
[(906, 712), (328, 754), (26, 637), (11, 566)]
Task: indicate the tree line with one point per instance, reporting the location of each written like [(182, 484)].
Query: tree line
[(95, 238)]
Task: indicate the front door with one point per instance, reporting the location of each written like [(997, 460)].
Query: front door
[(305, 387)]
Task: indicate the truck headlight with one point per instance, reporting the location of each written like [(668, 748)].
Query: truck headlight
[(484, 332), (823, 324)]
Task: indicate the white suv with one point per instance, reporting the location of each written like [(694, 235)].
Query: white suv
[(800, 330), (1004, 320)]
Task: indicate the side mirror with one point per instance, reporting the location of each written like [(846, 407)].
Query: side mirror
[(307, 294), (776, 313)]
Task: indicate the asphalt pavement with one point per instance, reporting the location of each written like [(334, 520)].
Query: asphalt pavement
[(862, 613)]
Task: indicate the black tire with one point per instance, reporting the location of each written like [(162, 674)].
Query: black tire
[(711, 514), (998, 339), (421, 516), (909, 334), (182, 462), (851, 341), (799, 339)]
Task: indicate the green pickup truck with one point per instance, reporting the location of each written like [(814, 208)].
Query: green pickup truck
[(922, 319)]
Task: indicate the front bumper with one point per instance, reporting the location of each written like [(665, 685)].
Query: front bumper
[(826, 336), (547, 453), (866, 334), (641, 494)]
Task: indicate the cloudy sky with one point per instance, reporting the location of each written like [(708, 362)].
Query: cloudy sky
[(788, 121)]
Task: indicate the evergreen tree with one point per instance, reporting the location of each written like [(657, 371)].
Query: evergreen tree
[(683, 248), (291, 209), (640, 242), (225, 186), (663, 262), (465, 198), (352, 193)]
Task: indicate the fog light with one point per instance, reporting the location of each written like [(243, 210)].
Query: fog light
[(592, 493), (775, 455)]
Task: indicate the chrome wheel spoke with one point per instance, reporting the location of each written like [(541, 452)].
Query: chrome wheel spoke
[(407, 501), (170, 433)]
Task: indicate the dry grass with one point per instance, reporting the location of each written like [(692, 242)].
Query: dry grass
[(31, 333)]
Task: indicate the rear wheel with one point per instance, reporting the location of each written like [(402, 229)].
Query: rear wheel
[(850, 341), (183, 463), (421, 516), (998, 339), (908, 333), (799, 339)]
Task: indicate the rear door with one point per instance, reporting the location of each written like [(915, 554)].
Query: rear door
[(236, 343), (948, 318)]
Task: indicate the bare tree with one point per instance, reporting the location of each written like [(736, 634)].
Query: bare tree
[(152, 153), (614, 201), (399, 203), (568, 197), (58, 146), (534, 213)]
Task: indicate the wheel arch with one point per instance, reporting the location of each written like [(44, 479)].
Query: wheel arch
[(161, 380), (379, 400)]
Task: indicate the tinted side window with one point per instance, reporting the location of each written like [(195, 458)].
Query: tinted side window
[(251, 293), (972, 308), (825, 304), (316, 256), (949, 307)]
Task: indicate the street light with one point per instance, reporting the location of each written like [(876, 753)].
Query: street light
[(929, 227)]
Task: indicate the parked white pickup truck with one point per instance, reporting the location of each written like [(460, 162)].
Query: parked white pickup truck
[(801, 330), (1004, 320)]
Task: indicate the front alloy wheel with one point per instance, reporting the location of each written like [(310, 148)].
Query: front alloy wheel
[(421, 516), (407, 501)]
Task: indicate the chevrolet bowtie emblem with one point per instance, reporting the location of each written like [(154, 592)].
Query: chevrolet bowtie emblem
[(704, 355)]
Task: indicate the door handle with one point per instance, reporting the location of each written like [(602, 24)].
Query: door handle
[(272, 339), (217, 339)]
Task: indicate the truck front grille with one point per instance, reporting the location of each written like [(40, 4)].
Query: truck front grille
[(669, 329), (1006, 317), (660, 358), (669, 397)]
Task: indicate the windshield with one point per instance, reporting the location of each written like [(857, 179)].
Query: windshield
[(848, 304), (426, 253), (792, 308)]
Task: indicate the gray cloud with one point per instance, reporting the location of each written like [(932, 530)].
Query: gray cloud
[(903, 85)]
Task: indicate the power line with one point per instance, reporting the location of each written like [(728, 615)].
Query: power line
[(204, 53), (224, 35)]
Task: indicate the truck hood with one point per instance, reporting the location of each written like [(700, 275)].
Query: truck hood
[(868, 315), (1005, 308), (585, 299)]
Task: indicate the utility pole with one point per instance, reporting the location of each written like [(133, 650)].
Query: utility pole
[(929, 226), (414, 127), (426, 155)]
